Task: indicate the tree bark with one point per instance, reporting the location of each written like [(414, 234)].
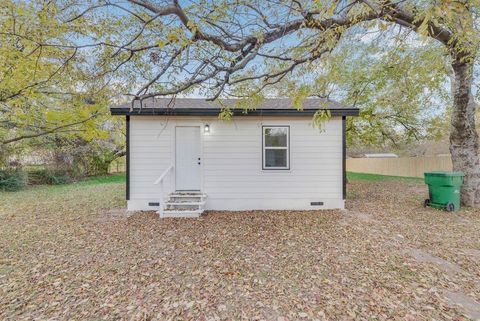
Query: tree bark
[(463, 135)]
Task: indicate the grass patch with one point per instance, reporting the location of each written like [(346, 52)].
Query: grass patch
[(114, 178), (79, 199), (381, 178)]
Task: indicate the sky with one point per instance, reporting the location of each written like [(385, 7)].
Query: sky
[(288, 41)]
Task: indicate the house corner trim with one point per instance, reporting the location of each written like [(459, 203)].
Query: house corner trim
[(127, 190), (344, 156)]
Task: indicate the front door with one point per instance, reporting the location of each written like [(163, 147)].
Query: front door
[(187, 158)]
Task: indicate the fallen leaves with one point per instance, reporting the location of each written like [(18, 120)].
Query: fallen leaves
[(71, 254)]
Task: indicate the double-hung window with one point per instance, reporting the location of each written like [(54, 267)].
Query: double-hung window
[(276, 145)]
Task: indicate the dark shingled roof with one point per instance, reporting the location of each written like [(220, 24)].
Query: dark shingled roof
[(202, 107)]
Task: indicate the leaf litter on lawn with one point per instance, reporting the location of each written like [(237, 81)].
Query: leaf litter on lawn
[(74, 255)]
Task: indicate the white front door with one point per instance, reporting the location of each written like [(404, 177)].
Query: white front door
[(187, 158)]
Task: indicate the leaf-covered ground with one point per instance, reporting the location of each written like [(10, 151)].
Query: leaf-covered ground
[(71, 253)]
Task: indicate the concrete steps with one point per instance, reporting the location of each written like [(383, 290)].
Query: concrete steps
[(184, 204)]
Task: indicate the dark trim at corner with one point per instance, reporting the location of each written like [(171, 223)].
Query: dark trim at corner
[(127, 118), (344, 156), (236, 112)]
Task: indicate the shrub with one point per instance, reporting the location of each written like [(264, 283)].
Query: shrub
[(49, 177), (12, 180)]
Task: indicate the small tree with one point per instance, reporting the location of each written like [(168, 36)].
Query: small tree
[(46, 89)]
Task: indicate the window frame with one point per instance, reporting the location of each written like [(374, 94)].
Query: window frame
[(264, 149)]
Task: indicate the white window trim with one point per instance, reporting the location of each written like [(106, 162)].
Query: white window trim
[(264, 148)]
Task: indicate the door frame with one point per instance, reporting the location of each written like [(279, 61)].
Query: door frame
[(174, 150)]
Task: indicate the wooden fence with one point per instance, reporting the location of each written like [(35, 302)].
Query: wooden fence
[(402, 166)]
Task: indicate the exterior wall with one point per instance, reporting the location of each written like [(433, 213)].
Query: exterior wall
[(232, 174)]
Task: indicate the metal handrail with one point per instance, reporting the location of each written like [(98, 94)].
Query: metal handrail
[(160, 181), (163, 175)]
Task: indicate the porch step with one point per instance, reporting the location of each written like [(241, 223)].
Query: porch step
[(184, 204), (186, 197), (188, 194), (182, 213)]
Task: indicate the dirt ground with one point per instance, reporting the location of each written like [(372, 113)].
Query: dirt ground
[(73, 253)]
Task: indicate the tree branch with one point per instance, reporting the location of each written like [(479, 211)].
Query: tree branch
[(50, 131)]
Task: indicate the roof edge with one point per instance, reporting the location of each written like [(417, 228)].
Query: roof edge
[(116, 111)]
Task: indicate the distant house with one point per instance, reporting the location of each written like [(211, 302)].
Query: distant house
[(384, 155), (181, 159)]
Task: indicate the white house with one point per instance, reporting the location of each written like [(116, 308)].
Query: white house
[(181, 159)]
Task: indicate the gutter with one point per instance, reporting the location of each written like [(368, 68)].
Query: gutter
[(117, 111)]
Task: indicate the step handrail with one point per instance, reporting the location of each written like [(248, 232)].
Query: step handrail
[(160, 181), (165, 172)]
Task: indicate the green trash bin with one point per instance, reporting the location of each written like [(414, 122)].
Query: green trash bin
[(444, 190)]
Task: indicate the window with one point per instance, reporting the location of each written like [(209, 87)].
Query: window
[(276, 143)]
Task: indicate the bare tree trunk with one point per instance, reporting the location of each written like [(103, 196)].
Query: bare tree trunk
[(463, 135)]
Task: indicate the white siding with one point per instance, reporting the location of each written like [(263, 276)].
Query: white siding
[(232, 174)]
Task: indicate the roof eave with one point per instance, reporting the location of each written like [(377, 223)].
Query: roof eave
[(117, 111)]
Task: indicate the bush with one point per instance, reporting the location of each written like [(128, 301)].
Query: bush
[(12, 180), (49, 177)]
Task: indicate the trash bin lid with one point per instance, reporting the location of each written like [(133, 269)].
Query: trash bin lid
[(444, 174)]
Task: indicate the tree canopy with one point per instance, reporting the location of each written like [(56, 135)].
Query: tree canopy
[(361, 52), (45, 89), (392, 58), (213, 48)]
